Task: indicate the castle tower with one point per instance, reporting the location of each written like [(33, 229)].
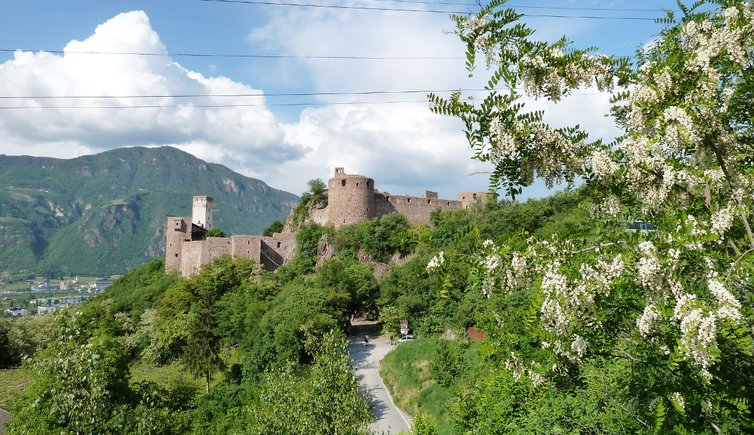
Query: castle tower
[(470, 198), (350, 198), (201, 214), (178, 230)]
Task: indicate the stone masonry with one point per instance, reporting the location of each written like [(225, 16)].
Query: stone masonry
[(351, 198), (187, 252)]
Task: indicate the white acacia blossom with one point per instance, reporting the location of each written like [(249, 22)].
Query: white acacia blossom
[(722, 220), (435, 262), (647, 319), (682, 162), (602, 165), (506, 147)]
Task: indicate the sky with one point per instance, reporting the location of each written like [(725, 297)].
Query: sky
[(278, 92)]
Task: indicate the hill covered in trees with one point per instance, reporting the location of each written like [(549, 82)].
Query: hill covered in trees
[(110, 208), (237, 349)]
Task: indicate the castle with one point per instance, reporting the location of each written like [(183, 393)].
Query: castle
[(350, 198)]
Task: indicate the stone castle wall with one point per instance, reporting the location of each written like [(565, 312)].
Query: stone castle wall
[(196, 254), (351, 199), (177, 231), (246, 247), (468, 199), (270, 252), (277, 250), (416, 209)]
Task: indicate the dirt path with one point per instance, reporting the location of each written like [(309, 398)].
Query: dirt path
[(366, 357)]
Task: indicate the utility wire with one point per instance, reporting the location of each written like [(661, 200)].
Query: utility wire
[(235, 55), (241, 95), (208, 106), (256, 95), (513, 6), (223, 106), (428, 11)]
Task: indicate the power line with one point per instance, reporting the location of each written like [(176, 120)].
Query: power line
[(208, 106), (240, 95), (254, 95), (224, 106), (321, 6), (234, 55), (513, 6), (428, 11)]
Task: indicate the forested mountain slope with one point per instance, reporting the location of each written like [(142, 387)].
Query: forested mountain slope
[(105, 213)]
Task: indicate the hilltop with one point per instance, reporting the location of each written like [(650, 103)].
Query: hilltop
[(105, 213)]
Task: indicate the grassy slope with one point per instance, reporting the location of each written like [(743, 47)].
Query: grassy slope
[(12, 382), (405, 371)]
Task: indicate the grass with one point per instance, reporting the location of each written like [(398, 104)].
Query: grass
[(175, 373), (406, 373), (13, 382), (13, 220), (22, 196), (167, 376), (118, 201)]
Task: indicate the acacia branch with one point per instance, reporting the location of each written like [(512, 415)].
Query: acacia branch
[(735, 263), (729, 179)]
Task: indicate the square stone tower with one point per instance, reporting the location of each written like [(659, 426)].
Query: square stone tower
[(201, 214)]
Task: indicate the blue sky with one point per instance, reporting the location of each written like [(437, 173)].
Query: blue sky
[(283, 140)]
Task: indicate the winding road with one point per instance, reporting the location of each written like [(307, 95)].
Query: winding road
[(366, 357)]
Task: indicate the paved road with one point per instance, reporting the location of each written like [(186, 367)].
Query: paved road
[(4, 418), (367, 357)]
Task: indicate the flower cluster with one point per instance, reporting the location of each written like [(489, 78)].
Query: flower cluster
[(519, 369), (608, 208), (435, 262), (504, 141), (646, 321), (602, 165), (722, 220), (679, 128), (684, 163)]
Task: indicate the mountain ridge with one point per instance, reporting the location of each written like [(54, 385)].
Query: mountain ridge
[(105, 213)]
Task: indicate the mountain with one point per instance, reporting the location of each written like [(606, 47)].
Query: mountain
[(104, 214)]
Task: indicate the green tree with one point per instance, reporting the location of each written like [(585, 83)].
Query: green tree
[(299, 315), (351, 278), (274, 227), (326, 400), (315, 197), (9, 354), (446, 365), (669, 310), (78, 384), (204, 341), (214, 232)]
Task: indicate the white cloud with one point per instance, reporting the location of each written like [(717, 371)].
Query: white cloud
[(229, 134), (404, 147), (377, 34)]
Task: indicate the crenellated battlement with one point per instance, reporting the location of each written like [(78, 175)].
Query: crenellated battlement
[(351, 198)]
